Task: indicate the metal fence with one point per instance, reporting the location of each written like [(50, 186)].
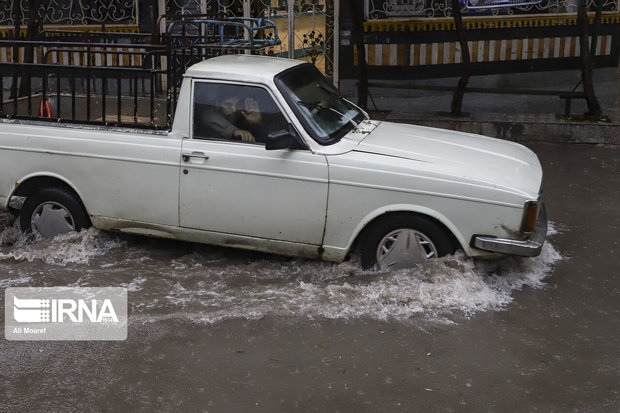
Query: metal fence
[(71, 12), (525, 39), (386, 9), (116, 79)]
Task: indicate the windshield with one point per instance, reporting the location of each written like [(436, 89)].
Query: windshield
[(326, 115)]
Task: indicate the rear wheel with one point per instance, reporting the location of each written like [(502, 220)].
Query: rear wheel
[(403, 241), (52, 211)]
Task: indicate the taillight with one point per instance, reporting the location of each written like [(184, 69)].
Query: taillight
[(530, 213)]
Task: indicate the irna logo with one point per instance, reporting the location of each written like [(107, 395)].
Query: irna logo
[(29, 310), (65, 313)]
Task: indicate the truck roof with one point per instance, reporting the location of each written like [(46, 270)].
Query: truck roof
[(241, 67)]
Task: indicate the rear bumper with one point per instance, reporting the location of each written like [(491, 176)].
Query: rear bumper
[(530, 247)]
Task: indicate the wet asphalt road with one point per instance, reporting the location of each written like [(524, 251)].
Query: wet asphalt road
[(285, 335)]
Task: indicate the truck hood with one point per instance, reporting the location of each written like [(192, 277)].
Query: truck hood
[(468, 157)]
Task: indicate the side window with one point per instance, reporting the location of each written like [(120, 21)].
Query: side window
[(235, 112)]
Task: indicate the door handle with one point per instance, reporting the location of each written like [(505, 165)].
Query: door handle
[(187, 156)]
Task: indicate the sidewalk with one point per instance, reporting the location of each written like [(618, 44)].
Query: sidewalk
[(524, 118)]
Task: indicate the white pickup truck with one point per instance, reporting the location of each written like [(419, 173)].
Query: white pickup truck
[(265, 154)]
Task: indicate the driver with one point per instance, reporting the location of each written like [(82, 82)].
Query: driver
[(234, 118)]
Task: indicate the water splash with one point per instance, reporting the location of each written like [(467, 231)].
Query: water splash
[(73, 247), (207, 284), (9, 230), (318, 290)]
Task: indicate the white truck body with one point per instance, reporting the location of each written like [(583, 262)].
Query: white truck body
[(311, 202)]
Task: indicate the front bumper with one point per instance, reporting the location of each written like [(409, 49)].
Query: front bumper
[(530, 247)]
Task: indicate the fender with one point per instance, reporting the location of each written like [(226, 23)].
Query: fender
[(413, 209), (45, 175)]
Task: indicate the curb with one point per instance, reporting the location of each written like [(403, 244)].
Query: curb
[(556, 131)]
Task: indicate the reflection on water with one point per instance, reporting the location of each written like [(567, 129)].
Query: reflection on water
[(206, 284)]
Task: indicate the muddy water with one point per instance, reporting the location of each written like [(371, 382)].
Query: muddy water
[(221, 330), (207, 285), (215, 329)]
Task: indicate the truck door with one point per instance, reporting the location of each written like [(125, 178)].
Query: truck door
[(231, 184)]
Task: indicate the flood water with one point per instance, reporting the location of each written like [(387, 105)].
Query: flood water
[(206, 285), (220, 330)]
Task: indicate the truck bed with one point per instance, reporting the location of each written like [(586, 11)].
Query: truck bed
[(123, 110)]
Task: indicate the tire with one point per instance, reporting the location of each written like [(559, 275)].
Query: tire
[(52, 211), (403, 241)]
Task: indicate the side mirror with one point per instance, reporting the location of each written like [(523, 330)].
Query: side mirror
[(284, 139)]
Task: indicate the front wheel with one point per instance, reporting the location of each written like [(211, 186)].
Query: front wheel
[(52, 211), (397, 242)]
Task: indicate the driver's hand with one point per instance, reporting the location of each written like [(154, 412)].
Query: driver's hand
[(251, 112), (244, 135)]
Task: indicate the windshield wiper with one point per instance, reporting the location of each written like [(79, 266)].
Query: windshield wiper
[(339, 96), (317, 105), (343, 115)]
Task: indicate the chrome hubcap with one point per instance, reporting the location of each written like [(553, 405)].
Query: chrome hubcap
[(404, 248), (50, 219)]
